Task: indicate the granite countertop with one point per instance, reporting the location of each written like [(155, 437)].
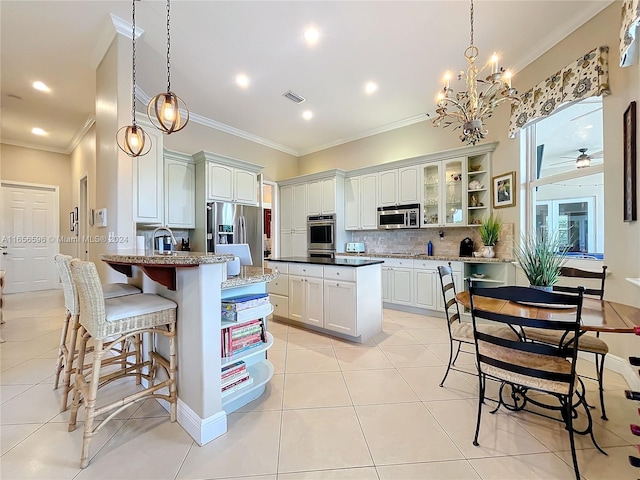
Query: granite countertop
[(422, 256), (337, 262), (135, 257), (250, 275)]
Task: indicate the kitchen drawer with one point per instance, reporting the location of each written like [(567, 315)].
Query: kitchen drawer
[(281, 267), (433, 264), (347, 274), (397, 262), (279, 286), (306, 270), (280, 305)]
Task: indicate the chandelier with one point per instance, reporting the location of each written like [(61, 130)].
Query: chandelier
[(132, 139), (469, 109), (164, 110)]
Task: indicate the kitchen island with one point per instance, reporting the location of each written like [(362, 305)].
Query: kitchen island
[(198, 282), (341, 297)]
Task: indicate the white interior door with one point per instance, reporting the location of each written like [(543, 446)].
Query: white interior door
[(30, 234)]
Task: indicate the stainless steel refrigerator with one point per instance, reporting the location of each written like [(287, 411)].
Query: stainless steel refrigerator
[(231, 223)]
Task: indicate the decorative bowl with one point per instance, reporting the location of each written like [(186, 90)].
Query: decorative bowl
[(475, 168), (477, 275), (475, 185)]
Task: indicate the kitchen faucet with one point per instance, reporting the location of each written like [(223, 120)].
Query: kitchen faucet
[(164, 227)]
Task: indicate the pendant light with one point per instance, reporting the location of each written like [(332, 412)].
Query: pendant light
[(165, 110), (132, 139)]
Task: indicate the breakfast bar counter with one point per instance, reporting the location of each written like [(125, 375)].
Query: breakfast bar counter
[(198, 282)]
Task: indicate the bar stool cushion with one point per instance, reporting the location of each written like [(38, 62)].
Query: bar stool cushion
[(111, 290), (135, 305)]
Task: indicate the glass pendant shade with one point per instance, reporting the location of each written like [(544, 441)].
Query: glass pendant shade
[(165, 111), (133, 140)]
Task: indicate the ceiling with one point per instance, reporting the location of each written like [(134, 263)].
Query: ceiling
[(405, 47)]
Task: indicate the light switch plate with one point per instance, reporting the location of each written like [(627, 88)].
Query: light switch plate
[(101, 217)]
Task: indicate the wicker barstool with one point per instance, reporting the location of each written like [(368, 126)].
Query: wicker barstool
[(109, 322), (67, 352)]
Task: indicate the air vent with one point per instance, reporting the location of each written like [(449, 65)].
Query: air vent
[(294, 97)]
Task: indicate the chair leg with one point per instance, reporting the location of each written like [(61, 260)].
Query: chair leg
[(569, 421), (62, 351), (450, 362), (79, 378), (173, 387), (90, 402), (600, 374), (69, 362), (480, 402)]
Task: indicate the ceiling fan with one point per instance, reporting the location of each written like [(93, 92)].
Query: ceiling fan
[(583, 159)]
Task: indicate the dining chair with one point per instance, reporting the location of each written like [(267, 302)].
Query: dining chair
[(586, 343), (523, 365), (459, 332)]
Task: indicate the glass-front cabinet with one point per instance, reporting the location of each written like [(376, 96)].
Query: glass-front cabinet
[(478, 189), (445, 186)]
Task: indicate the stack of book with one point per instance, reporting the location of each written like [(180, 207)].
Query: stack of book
[(242, 337), (245, 307), (234, 377)]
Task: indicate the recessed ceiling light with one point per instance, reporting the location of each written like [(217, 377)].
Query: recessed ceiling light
[(242, 80), (38, 131), (307, 114), (41, 86), (370, 87), (311, 36)]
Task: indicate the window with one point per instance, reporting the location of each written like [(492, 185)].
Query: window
[(561, 197)]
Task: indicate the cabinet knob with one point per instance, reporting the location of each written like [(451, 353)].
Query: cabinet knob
[(338, 273), (337, 284)]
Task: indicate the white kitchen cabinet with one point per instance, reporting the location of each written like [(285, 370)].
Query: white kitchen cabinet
[(306, 300), (299, 218), (321, 197), (286, 209), (148, 180), (179, 185), (340, 307), (286, 244), (388, 188), (299, 243), (445, 185), (293, 220), (230, 184), (425, 282), (401, 286), (361, 202), (386, 284)]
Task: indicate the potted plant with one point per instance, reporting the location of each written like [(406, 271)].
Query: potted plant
[(541, 257), (489, 232)]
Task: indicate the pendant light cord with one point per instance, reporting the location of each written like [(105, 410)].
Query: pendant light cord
[(168, 47), (133, 68), (471, 16)]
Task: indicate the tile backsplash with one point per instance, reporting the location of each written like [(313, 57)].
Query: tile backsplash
[(415, 240)]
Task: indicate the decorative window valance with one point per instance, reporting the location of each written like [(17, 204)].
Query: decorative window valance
[(628, 32), (587, 77)]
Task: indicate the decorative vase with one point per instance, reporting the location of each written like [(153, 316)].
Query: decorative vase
[(487, 251), (544, 288)]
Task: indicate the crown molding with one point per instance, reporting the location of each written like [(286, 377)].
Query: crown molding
[(115, 25), (571, 25), (77, 138), (33, 146)]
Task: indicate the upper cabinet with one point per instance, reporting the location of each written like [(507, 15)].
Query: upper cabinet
[(399, 186), (361, 202), (444, 198), (148, 184), (321, 197), (230, 180), (478, 188), (180, 190)]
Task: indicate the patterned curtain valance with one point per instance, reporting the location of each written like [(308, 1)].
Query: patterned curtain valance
[(587, 77), (628, 32)]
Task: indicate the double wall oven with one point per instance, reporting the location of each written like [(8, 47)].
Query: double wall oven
[(321, 231)]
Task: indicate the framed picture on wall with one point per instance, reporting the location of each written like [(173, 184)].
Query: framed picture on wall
[(629, 146), (504, 194)]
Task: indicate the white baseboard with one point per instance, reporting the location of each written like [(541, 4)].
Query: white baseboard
[(618, 365), (201, 430)]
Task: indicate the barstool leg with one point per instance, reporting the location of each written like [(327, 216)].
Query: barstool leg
[(90, 402), (173, 387), (69, 362), (79, 379), (62, 351)]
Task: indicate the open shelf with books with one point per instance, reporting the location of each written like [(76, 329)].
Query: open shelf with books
[(260, 373)]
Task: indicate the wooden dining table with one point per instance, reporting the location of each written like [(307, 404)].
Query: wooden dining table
[(597, 315)]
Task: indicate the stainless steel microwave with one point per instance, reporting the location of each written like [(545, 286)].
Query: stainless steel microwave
[(399, 216)]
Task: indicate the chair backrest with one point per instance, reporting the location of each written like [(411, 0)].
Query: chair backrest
[(449, 294), (63, 265), (578, 273), (93, 316), (521, 361)]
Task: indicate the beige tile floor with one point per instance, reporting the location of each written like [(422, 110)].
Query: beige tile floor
[(333, 410)]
